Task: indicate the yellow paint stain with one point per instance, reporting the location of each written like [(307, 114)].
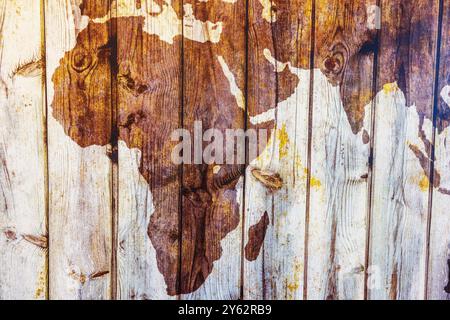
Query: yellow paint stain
[(424, 183), (315, 183), (298, 162), (390, 87), (421, 181), (283, 139), (293, 284), (41, 285)]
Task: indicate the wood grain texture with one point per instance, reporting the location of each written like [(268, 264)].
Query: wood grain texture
[(149, 104), (278, 101), (79, 128), (400, 192), (211, 192), (341, 129), (345, 198), (23, 153), (439, 245)]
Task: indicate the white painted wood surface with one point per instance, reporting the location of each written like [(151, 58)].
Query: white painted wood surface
[(138, 275), (23, 191), (339, 178), (400, 202), (80, 194), (338, 205), (278, 271), (438, 272), (401, 186)]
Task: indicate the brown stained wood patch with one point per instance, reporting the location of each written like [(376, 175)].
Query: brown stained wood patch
[(98, 274), (345, 44), (210, 209), (256, 235), (95, 9), (270, 180), (332, 290), (10, 234), (39, 241), (394, 284), (31, 68)]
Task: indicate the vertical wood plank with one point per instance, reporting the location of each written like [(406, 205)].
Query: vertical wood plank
[(79, 134), (341, 132), (23, 152), (278, 100), (439, 260), (403, 130), (149, 103), (213, 85)]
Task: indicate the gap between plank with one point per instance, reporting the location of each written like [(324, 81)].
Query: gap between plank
[(309, 148), (371, 154), (46, 168)]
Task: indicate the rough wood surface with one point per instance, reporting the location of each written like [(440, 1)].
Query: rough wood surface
[(23, 152), (345, 198), (149, 104), (341, 130), (211, 192), (79, 127), (278, 101), (402, 135)]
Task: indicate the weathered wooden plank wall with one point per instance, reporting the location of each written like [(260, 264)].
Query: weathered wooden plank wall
[(346, 197)]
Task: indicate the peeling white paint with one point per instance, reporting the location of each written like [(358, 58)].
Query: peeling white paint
[(278, 66), (268, 14), (235, 91), (445, 95), (270, 114), (81, 22), (199, 31), (373, 17), (166, 25)]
